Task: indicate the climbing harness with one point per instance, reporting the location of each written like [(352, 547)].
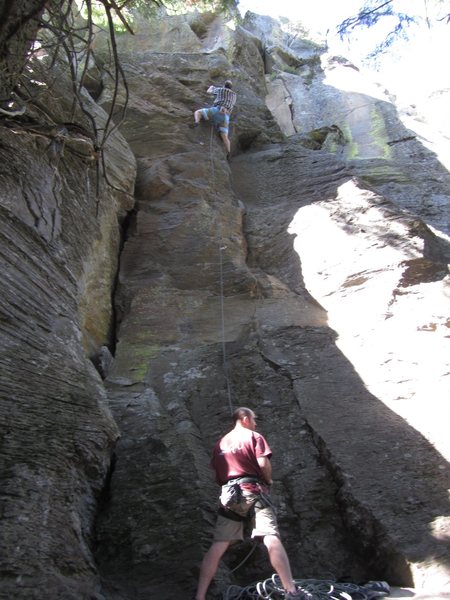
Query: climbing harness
[(232, 494), (315, 589)]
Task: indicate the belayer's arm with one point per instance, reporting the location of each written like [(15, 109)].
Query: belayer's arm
[(266, 468)]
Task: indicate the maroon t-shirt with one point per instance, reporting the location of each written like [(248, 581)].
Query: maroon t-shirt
[(235, 454)]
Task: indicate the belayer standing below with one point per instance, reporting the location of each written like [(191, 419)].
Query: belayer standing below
[(241, 461), (219, 112)]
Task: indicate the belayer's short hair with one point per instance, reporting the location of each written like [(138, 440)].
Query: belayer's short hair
[(242, 412), (228, 84)]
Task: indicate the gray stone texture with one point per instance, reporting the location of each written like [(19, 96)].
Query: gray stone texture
[(59, 243), (307, 279)]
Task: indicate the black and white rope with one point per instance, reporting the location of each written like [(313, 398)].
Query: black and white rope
[(315, 589)]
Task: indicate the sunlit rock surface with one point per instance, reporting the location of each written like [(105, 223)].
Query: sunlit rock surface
[(307, 279)]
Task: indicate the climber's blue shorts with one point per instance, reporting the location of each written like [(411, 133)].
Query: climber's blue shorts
[(221, 120)]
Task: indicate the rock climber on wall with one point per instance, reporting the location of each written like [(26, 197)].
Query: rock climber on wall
[(219, 112)]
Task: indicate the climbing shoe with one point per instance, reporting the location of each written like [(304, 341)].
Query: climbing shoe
[(228, 156), (376, 590), (192, 125), (378, 586)]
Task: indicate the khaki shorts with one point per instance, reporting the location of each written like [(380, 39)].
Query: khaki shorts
[(263, 521)]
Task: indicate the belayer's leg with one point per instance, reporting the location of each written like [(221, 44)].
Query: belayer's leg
[(209, 567), (280, 561)]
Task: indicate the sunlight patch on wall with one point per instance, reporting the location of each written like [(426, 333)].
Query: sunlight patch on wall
[(354, 251)]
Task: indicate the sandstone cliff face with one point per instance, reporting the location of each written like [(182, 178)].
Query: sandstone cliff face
[(283, 281)]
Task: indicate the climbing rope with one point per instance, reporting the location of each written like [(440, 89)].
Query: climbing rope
[(221, 278), (271, 589), (315, 589), (246, 557)]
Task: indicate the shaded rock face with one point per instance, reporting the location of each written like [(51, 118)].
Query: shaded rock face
[(282, 281), (57, 431)]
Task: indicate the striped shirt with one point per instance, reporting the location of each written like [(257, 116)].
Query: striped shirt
[(224, 97)]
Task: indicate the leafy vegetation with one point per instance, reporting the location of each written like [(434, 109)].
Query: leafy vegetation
[(125, 12)]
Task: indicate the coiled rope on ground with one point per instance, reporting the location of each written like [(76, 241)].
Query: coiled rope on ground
[(320, 589)]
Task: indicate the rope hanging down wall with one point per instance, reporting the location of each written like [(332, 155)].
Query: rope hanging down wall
[(222, 247)]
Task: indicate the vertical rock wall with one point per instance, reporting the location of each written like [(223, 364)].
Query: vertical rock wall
[(342, 458), (57, 432), (283, 281)]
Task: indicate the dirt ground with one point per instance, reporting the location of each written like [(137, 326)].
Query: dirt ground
[(417, 595)]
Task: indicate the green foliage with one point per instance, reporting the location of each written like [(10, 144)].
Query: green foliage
[(124, 17), (150, 8), (95, 10)]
